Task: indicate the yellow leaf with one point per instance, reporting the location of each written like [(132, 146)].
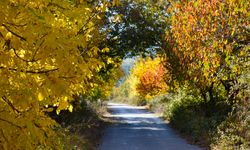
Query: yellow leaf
[(70, 108), (8, 36), (88, 9), (58, 111), (105, 49), (22, 75), (98, 17), (109, 61), (40, 96)]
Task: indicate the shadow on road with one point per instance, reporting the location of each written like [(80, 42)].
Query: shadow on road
[(137, 129)]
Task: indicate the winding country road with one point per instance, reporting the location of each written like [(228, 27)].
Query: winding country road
[(138, 129)]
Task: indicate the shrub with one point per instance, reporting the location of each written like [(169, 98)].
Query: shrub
[(234, 132), (187, 112)]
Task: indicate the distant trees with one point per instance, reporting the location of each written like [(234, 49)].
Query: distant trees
[(146, 80), (150, 74)]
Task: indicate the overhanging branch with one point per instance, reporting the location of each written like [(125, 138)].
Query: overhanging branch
[(31, 71)]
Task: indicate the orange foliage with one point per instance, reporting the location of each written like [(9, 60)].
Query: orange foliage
[(150, 74)]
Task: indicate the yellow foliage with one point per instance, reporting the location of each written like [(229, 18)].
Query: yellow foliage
[(205, 35), (48, 53), (150, 74), (40, 97)]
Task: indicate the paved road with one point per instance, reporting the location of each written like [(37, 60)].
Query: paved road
[(138, 129)]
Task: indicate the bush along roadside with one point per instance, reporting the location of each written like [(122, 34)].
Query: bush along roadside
[(82, 128), (225, 127)]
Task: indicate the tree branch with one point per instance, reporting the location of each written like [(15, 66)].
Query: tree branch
[(82, 30), (4, 137), (31, 71), (1, 35), (32, 60), (56, 5), (35, 53), (22, 38), (65, 77), (6, 100), (11, 123), (17, 25)]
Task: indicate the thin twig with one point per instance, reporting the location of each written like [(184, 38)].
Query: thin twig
[(6, 100), (64, 77), (95, 12), (4, 136), (22, 38), (82, 28), (17, 25), (22, 58), (35, 53), (11, 123), (57, 5)]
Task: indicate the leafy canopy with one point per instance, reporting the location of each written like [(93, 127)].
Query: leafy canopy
[(49, 53), (208, 41)]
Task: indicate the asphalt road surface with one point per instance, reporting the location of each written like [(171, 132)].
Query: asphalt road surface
[(138, 129)]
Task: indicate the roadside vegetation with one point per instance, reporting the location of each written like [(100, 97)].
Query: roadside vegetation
[(82, 128)]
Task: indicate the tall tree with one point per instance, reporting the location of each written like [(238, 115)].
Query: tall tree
[(49, 52), (208, 43), (150, 74)]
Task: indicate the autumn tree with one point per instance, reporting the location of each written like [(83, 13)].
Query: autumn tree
[(207, 52), (49, 53), (208, 44), (151, 76)]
